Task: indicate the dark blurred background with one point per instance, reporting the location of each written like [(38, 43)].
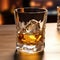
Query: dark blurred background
[(7, 8)]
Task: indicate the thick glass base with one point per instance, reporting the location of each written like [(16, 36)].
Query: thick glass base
[(30, 48)]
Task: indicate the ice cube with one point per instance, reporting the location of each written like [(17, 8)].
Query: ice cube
[(22, 27), (33, 26)]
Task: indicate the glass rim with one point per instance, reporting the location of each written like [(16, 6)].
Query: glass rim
[(44, 10)]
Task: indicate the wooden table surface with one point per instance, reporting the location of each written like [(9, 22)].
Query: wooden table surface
[(8, 42)]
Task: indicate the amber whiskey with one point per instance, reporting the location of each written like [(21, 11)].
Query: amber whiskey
[(29, 39)]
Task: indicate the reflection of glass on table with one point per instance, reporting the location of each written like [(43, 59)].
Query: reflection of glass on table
[(27, 56)]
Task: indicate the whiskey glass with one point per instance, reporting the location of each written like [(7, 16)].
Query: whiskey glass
[(30, 29), (58, 18)]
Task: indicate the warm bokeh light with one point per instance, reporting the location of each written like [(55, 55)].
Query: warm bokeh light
[(1, 19), (32, 3), (4, 5), (35, 4), (49, 3)]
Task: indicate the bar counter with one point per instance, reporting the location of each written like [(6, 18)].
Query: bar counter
[(8, 43)]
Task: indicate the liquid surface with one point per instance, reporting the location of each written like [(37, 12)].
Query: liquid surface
[(30, 39)]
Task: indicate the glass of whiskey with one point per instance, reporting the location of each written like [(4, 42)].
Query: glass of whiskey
[(30, 29), (58, 18)]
